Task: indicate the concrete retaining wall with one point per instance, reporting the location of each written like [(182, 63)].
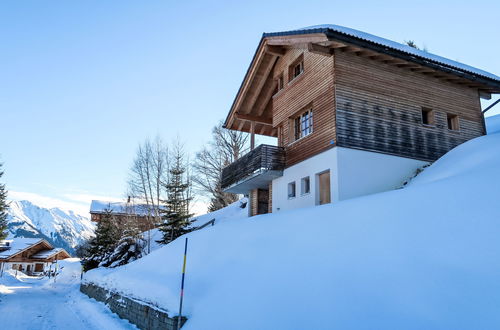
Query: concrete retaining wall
[(143, 315)]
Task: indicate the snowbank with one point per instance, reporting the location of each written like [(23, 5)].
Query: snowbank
[(423, 257), (493, 124)]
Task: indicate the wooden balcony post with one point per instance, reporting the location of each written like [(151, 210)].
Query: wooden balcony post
[(252, 135)]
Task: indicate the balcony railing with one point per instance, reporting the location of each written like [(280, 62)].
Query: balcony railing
[(254, 170)]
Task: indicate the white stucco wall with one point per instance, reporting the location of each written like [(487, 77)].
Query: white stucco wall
[(353, 173), (363, 172), (311, 167)]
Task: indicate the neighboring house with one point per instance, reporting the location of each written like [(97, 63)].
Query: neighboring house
[(353, 114), (32, 256), (123, 213)]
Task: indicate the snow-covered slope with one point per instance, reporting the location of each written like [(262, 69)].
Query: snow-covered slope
[(422, 257), (61, 228)]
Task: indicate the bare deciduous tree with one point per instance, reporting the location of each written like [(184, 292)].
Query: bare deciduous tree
[(225, 147), (148, 172)]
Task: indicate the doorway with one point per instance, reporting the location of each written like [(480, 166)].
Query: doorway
[(324, 195), (262, 201)]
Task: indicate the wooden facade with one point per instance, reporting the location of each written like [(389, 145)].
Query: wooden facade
[(33, 258), (363, 95), (142, 222)]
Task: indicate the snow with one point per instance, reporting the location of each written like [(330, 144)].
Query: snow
[(397, 46), (422, 257), (16, 246), (232, 212), (60, 228), (32, 303), (493, 124), (46, 254), (118, 207)]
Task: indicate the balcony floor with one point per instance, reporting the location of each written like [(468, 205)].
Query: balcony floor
[(259, 180)]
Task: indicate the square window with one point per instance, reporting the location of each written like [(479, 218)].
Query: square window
[(296, 68), (305, 184), (291, 190), (427, 116), (453, 123)]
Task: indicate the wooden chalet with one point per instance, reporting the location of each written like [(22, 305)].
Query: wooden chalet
[(140, 214), (32, 256), (353, 114)]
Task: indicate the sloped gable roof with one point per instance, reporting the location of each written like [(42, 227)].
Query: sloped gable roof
[(331, 28)]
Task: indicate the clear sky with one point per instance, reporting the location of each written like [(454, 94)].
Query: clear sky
[(83, 82)]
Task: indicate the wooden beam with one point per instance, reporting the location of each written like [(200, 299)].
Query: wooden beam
[(484, 95), (320, 50), (275, 50), (260, 120), (252, 135), (265, 96), (297, 39), (258, 84)]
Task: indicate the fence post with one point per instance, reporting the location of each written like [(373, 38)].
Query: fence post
[(179, 318)]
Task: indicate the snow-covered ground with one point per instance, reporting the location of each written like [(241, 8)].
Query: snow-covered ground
[(33, 303), (422, 257)]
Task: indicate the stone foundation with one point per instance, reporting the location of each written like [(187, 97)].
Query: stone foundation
[(143, 315)]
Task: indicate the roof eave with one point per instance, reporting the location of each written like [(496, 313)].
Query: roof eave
[(226, 122), (332, 34)]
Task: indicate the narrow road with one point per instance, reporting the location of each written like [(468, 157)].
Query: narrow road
[(39, 305)]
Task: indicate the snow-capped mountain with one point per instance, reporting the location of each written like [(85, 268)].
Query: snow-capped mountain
[(61, 228)]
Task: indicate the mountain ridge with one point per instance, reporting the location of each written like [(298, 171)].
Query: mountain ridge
[(61, 228)]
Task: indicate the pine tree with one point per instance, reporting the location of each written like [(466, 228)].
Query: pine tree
[(175, 215), (107, 235), (3, 208)]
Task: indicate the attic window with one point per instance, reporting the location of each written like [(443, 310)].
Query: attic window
[(280, 82), (427, 116), (296, 68), (452, 122)]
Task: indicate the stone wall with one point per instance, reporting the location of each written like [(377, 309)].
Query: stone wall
[(143, 315)]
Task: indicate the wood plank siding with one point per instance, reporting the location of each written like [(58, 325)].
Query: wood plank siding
[(361, 91), (379, 109), (313, 89)]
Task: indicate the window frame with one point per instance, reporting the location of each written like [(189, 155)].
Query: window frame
[(298, 62), (452, 122), (303, 185), (303, 125), (429, 115), (280, 80), (292, 193)]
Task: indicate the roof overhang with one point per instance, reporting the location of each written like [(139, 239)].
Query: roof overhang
[(253, 102)]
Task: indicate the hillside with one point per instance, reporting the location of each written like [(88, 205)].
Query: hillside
[(61, 228), (422, 257)]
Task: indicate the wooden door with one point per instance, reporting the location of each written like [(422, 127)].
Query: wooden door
[(262, 201), (324, 188)]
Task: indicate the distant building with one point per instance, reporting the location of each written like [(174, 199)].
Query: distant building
[(142, 214), (353, 114), (32, 256)]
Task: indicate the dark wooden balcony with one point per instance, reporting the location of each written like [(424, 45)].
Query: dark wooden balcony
[(255, 170)]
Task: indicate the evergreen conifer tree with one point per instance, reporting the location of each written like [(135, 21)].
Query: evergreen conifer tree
[(175, 214), (107, 235), (3, 208)]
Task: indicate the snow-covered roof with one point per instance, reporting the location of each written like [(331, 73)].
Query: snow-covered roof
[(121, 208), (46, 253), (325, 28), (17, 245)]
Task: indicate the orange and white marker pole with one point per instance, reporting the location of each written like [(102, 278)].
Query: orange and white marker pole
[(179, 318)]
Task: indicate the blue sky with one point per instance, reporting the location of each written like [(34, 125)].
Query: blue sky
[(83, 82)]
